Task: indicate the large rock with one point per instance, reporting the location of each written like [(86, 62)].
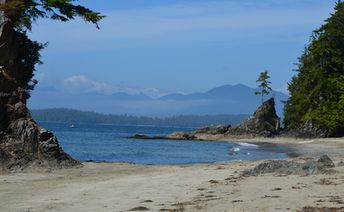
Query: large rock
[(311, 167), (26, 144), (264, 122)]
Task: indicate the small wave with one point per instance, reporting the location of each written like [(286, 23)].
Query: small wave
[(234, 151), (248, 145)]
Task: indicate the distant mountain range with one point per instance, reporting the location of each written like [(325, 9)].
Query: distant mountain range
[(227, 99), (235, 93)]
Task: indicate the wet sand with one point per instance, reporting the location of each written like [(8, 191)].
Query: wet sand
[(198, 187)]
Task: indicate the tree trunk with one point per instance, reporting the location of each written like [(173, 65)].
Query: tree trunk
[(262, 99)]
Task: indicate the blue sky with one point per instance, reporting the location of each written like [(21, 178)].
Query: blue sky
[(164, 46)]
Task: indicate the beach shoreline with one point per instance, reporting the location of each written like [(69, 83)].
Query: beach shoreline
[(189, 187)]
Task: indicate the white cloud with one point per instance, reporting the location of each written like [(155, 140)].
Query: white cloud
[(82, 84)]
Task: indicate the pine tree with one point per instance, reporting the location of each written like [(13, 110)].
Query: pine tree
[(23, 12), (264, 85), (317, 89), (18, 54)]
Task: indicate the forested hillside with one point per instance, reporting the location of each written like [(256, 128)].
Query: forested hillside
[(317, 89), (75, 116)]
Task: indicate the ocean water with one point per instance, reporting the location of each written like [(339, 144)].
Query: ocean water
[(109, 143)]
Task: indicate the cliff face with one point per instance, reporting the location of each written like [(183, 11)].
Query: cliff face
[(23, 142)]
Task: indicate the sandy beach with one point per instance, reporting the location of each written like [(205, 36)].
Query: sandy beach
[(197, 187)]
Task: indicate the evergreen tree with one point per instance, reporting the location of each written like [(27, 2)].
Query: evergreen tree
[(317, 89), (18, 54), (21, 13), (264, 85)]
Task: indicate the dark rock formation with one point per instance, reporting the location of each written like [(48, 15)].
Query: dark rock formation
[(172, 136), (26, 144), (321, 166), (23, 143), (213, 130), (139, 136), (264, 122), (146, 137), (307, 130)]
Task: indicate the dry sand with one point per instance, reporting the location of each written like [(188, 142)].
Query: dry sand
[(203, 187)]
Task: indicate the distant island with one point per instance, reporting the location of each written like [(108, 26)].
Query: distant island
[(64, 115)]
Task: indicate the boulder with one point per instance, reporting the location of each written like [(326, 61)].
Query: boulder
[(312, 167), (264, 122)]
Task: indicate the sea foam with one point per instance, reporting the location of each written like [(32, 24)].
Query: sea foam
[(248, 145)]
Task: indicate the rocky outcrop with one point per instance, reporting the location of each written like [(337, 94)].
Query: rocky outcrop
[(139, 136), (307, 130), (181, 136), (25, 144), (264, 123), (311, 167), (172, 136), (213, 130)]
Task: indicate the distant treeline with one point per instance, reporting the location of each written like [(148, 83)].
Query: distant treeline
[(74, 116)]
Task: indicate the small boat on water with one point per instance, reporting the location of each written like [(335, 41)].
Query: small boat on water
[(72, 126)]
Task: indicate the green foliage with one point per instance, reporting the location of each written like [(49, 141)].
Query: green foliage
[(20, 55), (23, 12), (28, 56), (264, 84), (317, 90)]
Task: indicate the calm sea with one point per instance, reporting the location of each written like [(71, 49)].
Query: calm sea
[(109, 143)]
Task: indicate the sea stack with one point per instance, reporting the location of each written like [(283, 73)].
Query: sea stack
[(263, 123)]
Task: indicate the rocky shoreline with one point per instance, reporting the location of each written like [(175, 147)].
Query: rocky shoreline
[(264, 123)]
